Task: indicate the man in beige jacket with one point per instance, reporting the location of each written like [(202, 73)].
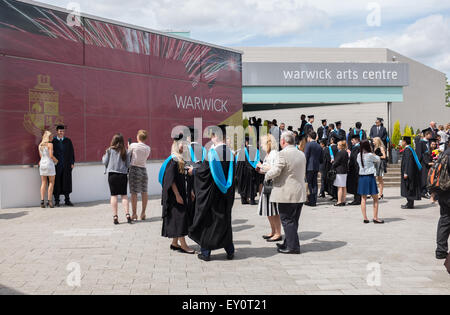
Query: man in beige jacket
[(289, 191)]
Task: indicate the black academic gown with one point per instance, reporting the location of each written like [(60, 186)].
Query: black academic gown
[(175, 216), (247, 178), (190, 189), (353, 171), (330, 188), (212, 228), (64, 153), (308, 129), (411, 187), (320, 133), (424, 156)]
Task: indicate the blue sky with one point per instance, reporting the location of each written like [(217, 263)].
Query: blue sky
[(417, 29)]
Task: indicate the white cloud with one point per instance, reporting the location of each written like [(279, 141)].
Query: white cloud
[(427, 40)]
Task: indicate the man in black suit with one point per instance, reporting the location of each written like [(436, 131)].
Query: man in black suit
[(314, 157), (379, 131), (322, 132)]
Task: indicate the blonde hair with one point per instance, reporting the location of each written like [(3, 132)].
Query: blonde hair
[(268, 143), (342, 145), (378, 143), (45, 139), (176, 152), (142, 135)]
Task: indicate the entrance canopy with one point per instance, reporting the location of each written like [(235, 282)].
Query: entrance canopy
[(323, 83)]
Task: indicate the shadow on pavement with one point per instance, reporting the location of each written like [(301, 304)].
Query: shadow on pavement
[(321, 246), (239, 221), (8, 291), (250, 252), (10, 216), (389, 220), (304, 236), (242, 228)]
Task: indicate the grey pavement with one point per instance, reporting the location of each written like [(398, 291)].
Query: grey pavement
[(79, 251)]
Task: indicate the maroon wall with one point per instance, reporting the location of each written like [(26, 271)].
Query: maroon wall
[(99, 79)]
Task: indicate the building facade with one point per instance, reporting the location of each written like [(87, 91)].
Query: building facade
[(415, 95)]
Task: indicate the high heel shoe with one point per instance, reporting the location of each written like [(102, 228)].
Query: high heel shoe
[(42, 204), (143, 217), (129, 220), (116, 220), (50, 204), (381, 197)]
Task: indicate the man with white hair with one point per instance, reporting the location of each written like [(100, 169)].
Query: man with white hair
[(289, 192)]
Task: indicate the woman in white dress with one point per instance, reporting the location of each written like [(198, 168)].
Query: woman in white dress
[(47, 168), (265, 207)]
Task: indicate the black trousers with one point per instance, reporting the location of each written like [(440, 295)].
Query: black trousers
[(290, 216), (443, 231), (311, 178)]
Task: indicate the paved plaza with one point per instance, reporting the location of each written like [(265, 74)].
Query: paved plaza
[(79, 251)]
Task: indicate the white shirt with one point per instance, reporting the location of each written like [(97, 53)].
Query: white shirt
[(370, 160), (139, 154)]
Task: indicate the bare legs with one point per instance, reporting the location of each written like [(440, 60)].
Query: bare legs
[(51, 186), (342, 195), (375, 207), (275, 224), (115, 204), (380, 185), (134, 200)]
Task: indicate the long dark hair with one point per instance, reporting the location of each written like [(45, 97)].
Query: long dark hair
[(365, 147), (118, 144)]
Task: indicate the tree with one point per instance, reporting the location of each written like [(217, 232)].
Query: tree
[(396, 135)]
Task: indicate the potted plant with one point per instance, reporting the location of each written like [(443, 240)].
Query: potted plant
[(395, 143)]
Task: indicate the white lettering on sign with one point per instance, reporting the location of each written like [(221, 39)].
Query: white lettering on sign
[(199, 103), (348, 74)]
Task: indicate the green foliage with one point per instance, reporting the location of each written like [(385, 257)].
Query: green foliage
[(412, 131), (245, 123), (396, 135)]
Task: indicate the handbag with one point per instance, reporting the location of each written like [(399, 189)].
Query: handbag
[(331, 176), (267, 187)]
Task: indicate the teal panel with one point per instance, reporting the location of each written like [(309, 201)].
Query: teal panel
[(319, 94)]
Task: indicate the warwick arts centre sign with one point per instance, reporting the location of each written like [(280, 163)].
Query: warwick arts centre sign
[(325, 74)]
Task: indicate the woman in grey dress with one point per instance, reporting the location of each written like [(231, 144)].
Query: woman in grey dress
[(47, 168), (265, 207)]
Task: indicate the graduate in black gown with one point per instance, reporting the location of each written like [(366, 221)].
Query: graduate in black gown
[(63, 151), (309, 126), (423, 150), (172, 177), (353, 171), (197, 156), (356, 131), (247, 178), (214, 183), (410, 175), (322, 131), (330, 153)]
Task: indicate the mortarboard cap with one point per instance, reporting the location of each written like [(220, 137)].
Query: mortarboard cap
[(60, 127), (355, 136), (380, 119), (338, 122), (324, 120)]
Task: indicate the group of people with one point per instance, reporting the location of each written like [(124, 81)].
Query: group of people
[(57, 160), (198, 183)]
